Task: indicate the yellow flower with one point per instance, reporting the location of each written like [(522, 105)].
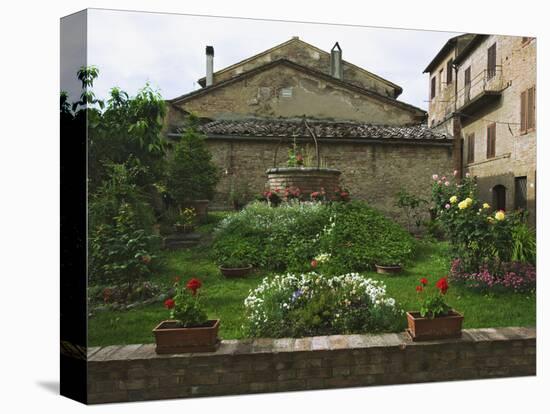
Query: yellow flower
[(468, 201), (490, 219), (453, 199), (462, 205), (499, 215), (486, 205)]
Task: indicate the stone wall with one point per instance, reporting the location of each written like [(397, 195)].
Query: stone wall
[(136, 372), (372, 170)]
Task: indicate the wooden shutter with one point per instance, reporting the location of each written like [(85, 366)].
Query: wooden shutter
[(531, 108), (450, 71), (491, 140), (467, 82), (471, 148), (492, 61), (432, 92), (523, 111)]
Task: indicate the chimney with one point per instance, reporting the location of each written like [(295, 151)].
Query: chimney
[(209, 65), (336, 68)]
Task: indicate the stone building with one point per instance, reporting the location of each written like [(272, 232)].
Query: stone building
[(482, 92), (252, 111)]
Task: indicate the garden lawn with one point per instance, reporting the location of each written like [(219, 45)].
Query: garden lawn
[(224, 297)]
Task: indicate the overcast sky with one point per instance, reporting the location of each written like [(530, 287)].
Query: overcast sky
[(130, 48)]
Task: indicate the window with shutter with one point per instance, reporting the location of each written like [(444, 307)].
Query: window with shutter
[(432, 91), (492, 61), (449, 72), (491, 140), (531, 109), (467, 83), (523, 112), (471, 148), (521, 193)]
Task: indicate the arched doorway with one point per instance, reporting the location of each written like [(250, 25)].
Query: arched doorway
[(499, 197)]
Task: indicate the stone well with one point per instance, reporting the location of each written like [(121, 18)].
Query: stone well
[(307, 179)]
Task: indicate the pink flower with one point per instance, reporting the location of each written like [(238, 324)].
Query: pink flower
[(455, 173), (439, 182), (444, 178), (447, 206), (447, 183), (435, 177), (467, 175)]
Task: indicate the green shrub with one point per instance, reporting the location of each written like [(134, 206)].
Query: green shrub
[(314, 304), (192, 175), (290, 236), (524, 244)]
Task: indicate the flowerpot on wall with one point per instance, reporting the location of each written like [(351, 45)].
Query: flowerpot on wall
[(236, 271), (171, 339), (388, 270), (442, 327), (200, 207)]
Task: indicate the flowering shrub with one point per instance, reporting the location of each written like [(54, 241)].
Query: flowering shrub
[(272, 197), (514, 276), (186, 307), (186, 216), (432, 300), (320, 195), (313, 304), (294, 234), (342, 194)]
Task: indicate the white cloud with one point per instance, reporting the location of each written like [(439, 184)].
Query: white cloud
[(167, 50)]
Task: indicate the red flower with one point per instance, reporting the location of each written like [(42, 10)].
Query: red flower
[(424, 281), (169, 303), (419, 288), (194, 285), (314, 263), (442, 285)]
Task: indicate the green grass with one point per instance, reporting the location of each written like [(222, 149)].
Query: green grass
[(224, 297)]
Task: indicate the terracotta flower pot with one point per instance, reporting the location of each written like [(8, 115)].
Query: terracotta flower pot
[(172, 339), (386, 270), (442, 327), (235, 271)]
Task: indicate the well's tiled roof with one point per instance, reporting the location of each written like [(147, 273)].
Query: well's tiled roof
[(323, 129)]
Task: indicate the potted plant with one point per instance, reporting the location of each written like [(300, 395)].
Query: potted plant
[(188, 329), (436, 319), (185, 221), (192, 175), (233, 266), (388, 262)]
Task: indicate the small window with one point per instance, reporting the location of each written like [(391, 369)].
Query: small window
[(491, 140), (527, 116), (286, 92), (467, 83), (432, 88), (440, 83), (449, 71), (499, 197), (520, 193), (492, 61), (471, 148)]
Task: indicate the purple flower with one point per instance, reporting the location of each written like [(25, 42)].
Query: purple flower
[(296, 295)]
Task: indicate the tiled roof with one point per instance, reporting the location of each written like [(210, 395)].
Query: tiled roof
[(323, 129)]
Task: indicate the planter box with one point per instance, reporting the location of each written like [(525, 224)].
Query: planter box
[(307, 179), (387, 270), (172, 339), (235, 271), (425, 329)]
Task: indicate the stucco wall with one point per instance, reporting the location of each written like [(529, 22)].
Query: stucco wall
[(374, 172), (262, 95), (309, 56)]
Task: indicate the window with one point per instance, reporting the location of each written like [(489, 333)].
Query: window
[(467, 83), (499, 197), (286, 92), (471, 148), (440, 80), (449, 71), (432, 90), (527, 116), (491, 140), (520, 193), (492, 61)]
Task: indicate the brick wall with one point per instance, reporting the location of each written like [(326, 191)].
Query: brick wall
[(372, 171), (136, 372)]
